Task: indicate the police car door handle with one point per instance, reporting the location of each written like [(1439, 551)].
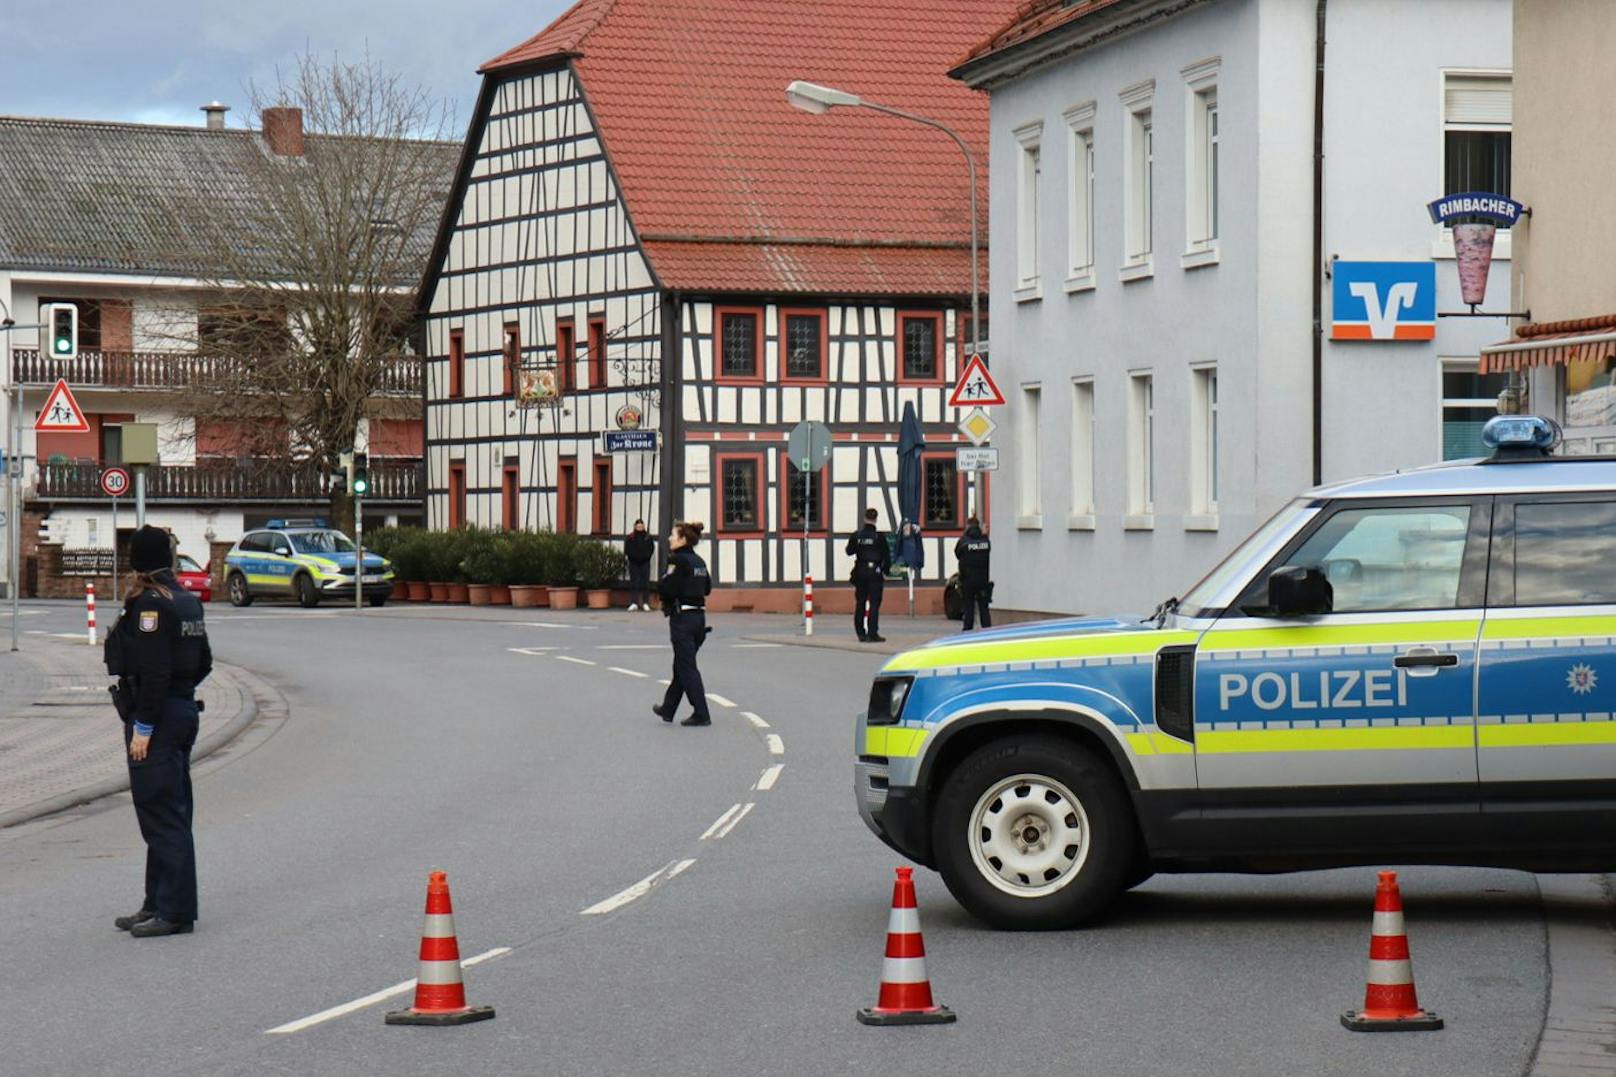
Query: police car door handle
[(1424, 661)]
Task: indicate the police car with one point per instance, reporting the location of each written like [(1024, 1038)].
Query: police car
[(301, 559), (1413, 668)]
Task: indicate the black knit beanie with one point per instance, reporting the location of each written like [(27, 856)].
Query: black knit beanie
[(149, 550)]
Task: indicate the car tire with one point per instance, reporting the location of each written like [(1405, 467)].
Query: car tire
[(237, 587), (377, 601), (1032, 833), (308, 595)]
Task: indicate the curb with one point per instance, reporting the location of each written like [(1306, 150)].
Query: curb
[(107, 787), (833, 643)]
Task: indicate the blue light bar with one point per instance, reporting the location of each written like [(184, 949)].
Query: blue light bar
[(1515, 432), (282, 525)]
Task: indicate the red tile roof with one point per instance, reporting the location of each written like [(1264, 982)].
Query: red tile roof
[(1032, 19), (690, 99)]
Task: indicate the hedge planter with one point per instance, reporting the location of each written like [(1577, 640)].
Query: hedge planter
[(599, 599), (480, 594), (525, 596), (564, 598), (440, 592), (499, 595), (420, 591), (459, 594)]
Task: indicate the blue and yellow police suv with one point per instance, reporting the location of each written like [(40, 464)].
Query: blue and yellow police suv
[(305, 560), (1414, 668)]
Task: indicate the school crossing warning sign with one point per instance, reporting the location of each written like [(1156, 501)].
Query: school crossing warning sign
[(61, 413), (975, 388)]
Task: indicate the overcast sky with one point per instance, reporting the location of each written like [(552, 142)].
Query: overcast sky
[(156, 61)]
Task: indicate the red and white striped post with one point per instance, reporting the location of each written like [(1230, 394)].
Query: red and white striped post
[(808, 605), (89, 609)]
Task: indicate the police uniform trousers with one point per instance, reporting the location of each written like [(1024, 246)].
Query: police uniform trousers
[(688, 631), (161, 787), (974, 600), (868, 586)]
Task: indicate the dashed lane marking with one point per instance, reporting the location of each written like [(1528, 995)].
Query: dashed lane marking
[(627, 672), (548, 624), (776, 745), (575, 661), (632, 647), (714, 697), (770, 776), (720, 821), (639, 889), (755, 646), (755, 720), (372, 999), (535, 652), (723, 831), (665, 683)]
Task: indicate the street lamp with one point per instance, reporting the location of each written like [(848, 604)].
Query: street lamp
[(818, 100)]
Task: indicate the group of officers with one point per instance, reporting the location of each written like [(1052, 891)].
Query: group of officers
[(872, 562)]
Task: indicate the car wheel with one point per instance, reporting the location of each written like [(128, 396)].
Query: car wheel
[(308, 595), (377, 601), (239, 595), (1034, 833)]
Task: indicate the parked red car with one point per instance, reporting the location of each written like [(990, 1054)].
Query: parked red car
[(194, 578)]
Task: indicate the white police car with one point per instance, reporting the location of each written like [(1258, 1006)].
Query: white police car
[(305, 560), (1412, 668)]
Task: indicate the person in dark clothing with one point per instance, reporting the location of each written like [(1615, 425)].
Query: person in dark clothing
[(639, 548), (976, 587), (872, 560), (159, 652), (684, 592)]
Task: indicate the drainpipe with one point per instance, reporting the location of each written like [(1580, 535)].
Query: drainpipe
[(1318, 246)]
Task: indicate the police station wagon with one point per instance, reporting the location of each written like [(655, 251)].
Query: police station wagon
[(305, 560), (1413, 668)]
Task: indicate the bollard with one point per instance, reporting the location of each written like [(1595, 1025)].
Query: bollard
[(808, 605), (89, 609)]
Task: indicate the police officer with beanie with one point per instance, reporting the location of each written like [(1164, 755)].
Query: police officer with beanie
[(684, 592), (872, 560), (159, 652), (976, 589)]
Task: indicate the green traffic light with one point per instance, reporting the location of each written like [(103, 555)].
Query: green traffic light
[(63, 345), (361, 487)]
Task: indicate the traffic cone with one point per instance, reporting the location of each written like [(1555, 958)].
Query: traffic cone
[(1389, 1001), (905, 997), (440, 994)]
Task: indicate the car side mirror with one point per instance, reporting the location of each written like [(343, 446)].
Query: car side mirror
[(1299, 591)]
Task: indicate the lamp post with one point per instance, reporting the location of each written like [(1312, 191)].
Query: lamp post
[(816, 99)]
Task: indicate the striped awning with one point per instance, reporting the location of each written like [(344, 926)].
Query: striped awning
[(1543, 343)]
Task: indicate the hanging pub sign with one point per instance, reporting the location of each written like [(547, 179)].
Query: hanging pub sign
[(1475, 217)]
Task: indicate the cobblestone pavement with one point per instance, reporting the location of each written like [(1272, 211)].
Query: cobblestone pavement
[(59, 737)]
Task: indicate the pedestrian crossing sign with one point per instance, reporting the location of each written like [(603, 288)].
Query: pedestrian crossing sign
[(975, 387), (61, 413)]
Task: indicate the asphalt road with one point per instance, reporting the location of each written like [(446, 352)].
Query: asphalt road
[(522, 759)]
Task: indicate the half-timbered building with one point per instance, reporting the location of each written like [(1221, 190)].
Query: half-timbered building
[(645, 236)]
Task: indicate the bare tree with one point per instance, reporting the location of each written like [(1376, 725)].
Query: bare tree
[(313, 263)]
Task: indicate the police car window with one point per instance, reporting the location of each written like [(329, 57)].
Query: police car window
[(322, 542), (255, 543), (1390, 558), (1249, 556), (1564, 553)]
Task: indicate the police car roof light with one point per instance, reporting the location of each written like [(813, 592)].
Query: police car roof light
[(312, 521), (1518, 436)]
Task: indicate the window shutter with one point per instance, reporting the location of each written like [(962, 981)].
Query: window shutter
[(1478, 99)]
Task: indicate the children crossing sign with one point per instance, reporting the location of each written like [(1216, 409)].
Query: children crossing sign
[(61, 413), (975, 387)]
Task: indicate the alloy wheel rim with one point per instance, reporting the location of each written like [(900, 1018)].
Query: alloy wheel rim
[(1029, 835)]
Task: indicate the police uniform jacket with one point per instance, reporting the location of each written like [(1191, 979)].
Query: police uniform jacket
[(973, 550), (870, 552), (158, 650), (686, 582)]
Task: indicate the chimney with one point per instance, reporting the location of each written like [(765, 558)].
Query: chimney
[(283, 130), (215, 113)]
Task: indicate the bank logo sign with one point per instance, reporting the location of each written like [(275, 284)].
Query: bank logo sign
[(1383, 301)]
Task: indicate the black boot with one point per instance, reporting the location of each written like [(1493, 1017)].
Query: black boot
[(696, 719), (149, 929), (124, 923), (665, 715)]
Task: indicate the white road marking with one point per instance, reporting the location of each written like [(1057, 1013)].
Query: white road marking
[(776, 745), (627, 672), (756, 645), (770, 776), (548, 624), (639, 889), (732, 824), (372, 999), (536, 652), (632, 647), (665, 683), (575, 661), (720, 821), (68, 635), (755, 720), (720, 700)]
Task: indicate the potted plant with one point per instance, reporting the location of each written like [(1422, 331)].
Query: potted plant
[(442, 560), (524, 554), (499, 582), (459, 543), (415, 549), (562, 571), (483, 567), (598, 566), (400, 549)]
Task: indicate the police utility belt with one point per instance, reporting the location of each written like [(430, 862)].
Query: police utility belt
[(687, 608)]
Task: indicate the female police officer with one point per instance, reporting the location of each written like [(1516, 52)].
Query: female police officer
[(159, 650), (684, 592)]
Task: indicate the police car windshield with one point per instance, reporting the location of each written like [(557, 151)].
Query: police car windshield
[(1202, 599), (321, 542)]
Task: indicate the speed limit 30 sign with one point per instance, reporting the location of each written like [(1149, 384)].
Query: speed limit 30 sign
[(115, 482)]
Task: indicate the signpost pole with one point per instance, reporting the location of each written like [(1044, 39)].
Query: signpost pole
[(14, 489), (807, 573), (359, 561), (140, 496), (115, 549)]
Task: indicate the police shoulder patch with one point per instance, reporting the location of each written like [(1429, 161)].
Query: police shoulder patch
[(148, 620)]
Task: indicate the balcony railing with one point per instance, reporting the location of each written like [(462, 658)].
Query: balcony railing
[(168, 370), (227, 483)]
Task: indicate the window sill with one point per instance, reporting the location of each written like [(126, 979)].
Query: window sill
[(1197, 257), (1201, 522), (1137, 271), (1442, 245), (1029, 293), (1081, 281), (1030, 523), (1140, 521), (1080, 522)]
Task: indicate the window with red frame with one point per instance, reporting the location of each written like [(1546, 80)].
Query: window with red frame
[(739, 344), (566, 355), (457, 494), (567, 496), (804, 499), (597, 353), (457, 363), (513, 357), (920, 347), (602, 499), (510, 494), (803, 345), (942, 494), (740, 493)]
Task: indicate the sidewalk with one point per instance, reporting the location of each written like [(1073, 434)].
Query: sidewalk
[(59, 737)]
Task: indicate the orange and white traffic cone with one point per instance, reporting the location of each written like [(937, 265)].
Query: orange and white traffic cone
[(440, 993), (905, 997), (1389, 1001)]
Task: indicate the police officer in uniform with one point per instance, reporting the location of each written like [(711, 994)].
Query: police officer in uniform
[(976, 589), (159, 652), (872, 560), (684, 592)]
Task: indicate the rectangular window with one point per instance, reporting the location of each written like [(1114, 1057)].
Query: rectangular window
[(512, 355), (457, 494), (567, 495), (1477, 115), (1030, 511), (920, 348), (1563, 553), (1080, 206), (739, 344), (804, 498), (597, 353), (510, 495), (566, 355), (803, 345), (601, 499), (1029, 175), (1469, 399), (740, 493), (1201, 159), (1082, 452), (1138, 174), (1141, 445), (943, 494), (1204, 442), (457, 363)]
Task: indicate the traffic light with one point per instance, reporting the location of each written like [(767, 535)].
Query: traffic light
[(360, 483), (342, 478), (62, 330)]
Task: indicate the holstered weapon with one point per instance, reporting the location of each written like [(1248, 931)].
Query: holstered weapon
[(123, 702)]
